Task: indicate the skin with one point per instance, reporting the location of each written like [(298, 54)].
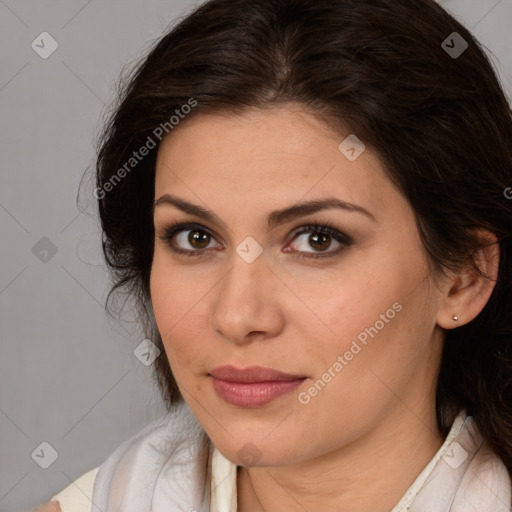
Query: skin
[(363, 439), (50, 506)]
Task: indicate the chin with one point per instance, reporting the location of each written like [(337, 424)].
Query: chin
[(258, 451)]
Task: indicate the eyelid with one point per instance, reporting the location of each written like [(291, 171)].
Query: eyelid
[(335, 233), (170, 231)]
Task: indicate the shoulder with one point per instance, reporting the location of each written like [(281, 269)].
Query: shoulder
[(51, 506), (486, 483), (76, 497)]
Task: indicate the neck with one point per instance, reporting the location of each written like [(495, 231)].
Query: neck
[(372, 473)]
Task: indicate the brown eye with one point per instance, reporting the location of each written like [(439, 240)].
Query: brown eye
[(198, 239), (320, 239), (188, 239), (193, 240)]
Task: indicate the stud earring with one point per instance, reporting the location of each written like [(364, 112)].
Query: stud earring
[(455, 318)]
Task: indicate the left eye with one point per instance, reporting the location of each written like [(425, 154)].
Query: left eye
[(320, 238), (199, 239)]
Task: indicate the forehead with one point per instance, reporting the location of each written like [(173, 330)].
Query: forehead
[(267, 156)]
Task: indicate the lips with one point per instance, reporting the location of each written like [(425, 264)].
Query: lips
[(254, 386), (251, 374)]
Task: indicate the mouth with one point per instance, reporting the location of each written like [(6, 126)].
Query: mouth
[(254, 386)]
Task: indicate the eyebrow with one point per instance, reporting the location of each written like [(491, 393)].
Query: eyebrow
[(274, 218)]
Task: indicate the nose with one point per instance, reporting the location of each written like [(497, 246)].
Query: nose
[(247, 304)]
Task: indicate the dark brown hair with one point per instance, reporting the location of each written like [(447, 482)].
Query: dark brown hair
[(440, 123)]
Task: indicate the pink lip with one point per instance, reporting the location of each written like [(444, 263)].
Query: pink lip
[(254, 386)]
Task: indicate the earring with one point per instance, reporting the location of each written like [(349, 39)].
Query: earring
[(455, 318)]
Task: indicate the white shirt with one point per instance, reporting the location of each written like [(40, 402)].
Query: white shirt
[(172, 462)]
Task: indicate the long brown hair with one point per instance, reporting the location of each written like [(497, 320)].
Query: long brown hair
[(387, 71)]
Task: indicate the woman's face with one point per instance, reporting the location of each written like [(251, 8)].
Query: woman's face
[(354, 326)]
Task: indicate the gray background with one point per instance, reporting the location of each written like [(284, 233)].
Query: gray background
[(68, 373)]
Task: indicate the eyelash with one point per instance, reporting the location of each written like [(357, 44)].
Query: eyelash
[(172, 229)]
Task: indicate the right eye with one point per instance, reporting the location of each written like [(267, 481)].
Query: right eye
[(195, 235)]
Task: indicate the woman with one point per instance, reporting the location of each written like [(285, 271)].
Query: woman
[(310, 202)]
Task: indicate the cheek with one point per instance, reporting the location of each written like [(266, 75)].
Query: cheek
[(375, 317), (353, 301), (175, 299), (173, 292)]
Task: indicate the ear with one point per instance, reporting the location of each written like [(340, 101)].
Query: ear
[(466, 292)]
